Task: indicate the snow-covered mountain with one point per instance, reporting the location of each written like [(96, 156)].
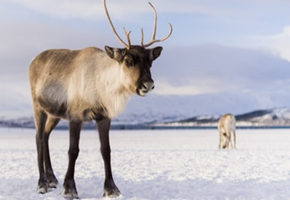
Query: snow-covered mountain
[(198, 110), (278, 117), (172, 108)]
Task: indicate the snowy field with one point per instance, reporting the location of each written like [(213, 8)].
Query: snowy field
[(155, 165)]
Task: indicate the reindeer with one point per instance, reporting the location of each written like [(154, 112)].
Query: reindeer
[(83, 85), (226, 127)]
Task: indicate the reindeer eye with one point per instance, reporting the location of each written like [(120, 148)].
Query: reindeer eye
[(128, 62)]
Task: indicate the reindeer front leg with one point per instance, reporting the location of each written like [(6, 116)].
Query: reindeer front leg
[(69, 186), (110, 188)]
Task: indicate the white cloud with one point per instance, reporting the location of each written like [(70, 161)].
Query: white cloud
[(213, 68), (164, 88), (93, 9), (21, 42), (61, 9), (279, 43)]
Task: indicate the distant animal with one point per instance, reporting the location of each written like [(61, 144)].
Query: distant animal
[(226, 128), (82, 85)]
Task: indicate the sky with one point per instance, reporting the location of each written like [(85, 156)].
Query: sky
[(216, 46)]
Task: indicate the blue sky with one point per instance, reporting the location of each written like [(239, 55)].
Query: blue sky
[(216, 45)]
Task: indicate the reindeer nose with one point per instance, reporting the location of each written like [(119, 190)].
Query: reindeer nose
[(145, 87), (149, 85)]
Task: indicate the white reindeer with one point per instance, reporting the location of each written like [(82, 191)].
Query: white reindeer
[(82, 85), (226, 127)]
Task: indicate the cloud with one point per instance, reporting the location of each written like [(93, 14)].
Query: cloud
[(196, 70), (64, 9), (93, 9), (124, 10), (215, 68), (278, 43), (21, 42), (165, 88)]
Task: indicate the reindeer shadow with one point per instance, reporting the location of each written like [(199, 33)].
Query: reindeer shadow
[(161, 188)]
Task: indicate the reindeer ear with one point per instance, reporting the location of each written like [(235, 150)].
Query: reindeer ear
[(155, 52), (115, 53)]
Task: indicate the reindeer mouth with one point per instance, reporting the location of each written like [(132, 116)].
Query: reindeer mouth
[(144, 88)]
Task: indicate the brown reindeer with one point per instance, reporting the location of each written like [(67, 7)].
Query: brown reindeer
[(82, 85), (226, 127)]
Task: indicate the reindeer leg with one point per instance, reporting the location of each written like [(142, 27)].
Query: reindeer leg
[(110, 188), (230, 140), (69, 187), (226, 144), (50, 124), (221, 140), (224, 140), (40, 118), (234, 138)]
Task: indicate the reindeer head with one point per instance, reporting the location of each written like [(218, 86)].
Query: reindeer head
[(137, 59)]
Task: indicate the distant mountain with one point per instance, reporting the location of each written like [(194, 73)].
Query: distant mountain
[(150, 109), (161, 109), (165, 108), (279, 117)]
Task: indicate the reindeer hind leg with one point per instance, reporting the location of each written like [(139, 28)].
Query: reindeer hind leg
[(49, 126), (230, 140), (234, 138), (224, 140)]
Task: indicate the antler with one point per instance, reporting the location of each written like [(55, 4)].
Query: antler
[(127, 46), (153, 40)]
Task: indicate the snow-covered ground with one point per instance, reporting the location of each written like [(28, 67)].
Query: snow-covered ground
[(155, 165)]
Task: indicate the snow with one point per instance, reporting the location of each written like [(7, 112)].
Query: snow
[(155, 165)]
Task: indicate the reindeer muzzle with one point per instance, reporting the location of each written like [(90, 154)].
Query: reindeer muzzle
[(145, 87)]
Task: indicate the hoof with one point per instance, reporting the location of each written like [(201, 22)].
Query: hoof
[(52, 182), (43, 186), (71, 194), (69, 190), (43, 189), (53, 185), (112, 194), (111, 190)]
